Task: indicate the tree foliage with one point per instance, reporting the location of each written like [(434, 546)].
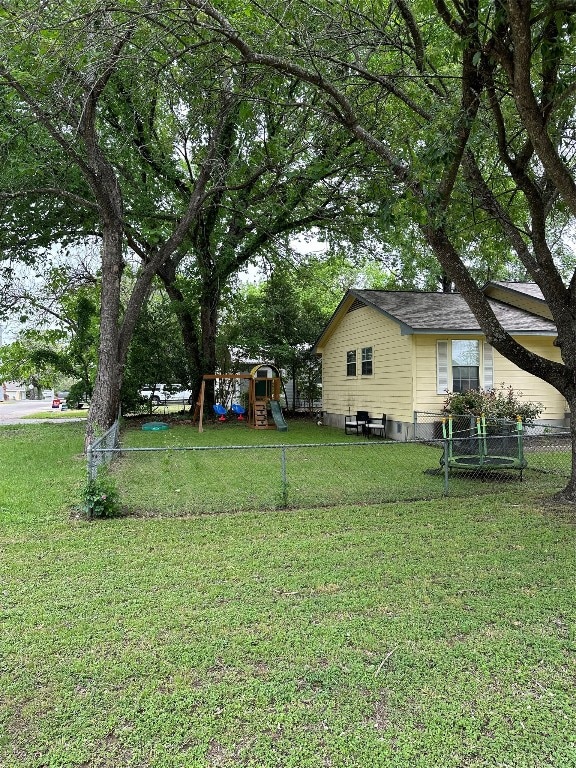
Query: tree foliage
[(276, 324), (18, 363), (60, 343), (156, 353), (162, 140), (165, 146), (469, 109)]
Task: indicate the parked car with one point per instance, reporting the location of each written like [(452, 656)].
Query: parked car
[(167, 393)]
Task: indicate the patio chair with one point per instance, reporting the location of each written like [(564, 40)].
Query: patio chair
[(356, 423), (376, 426)]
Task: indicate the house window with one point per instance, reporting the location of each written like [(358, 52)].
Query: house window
[(464, 364), (351, 363), (367, 361)]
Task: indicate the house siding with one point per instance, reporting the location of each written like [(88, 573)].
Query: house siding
[(520, 300), (404, 378), (532, 387), (505, 372), (13, 391), (388, 390)]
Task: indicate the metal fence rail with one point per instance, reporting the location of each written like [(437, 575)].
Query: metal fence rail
[(200, 479), (428, 425), (183, 479)]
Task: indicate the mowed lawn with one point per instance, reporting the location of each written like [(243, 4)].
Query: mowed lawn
[(231, 467), (318, 466), (423, 634)]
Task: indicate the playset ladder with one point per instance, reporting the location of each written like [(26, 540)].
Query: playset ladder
[(260, 415)]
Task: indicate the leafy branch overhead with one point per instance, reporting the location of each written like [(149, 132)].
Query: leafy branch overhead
[(150, 137), (470, 113)]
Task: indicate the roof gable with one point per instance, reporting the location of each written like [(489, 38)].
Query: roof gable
[(526, 296), (421, 312), (529, 289)]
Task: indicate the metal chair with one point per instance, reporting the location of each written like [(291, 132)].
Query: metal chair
[(376, 425), (356, 423)]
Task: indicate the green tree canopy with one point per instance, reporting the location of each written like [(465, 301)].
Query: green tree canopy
[(469, 110)]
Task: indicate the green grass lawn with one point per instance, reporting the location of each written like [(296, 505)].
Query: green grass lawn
[(71, 413), (401, 635), (319, 466), (339, 472)]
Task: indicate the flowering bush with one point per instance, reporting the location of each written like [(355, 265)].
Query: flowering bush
[(100, 498), (502, 403)]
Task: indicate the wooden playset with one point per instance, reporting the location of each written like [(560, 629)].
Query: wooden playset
[(264, 384)]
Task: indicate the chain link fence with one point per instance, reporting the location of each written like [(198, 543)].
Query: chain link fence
[(102, 450), (179, 480), (428, 424)]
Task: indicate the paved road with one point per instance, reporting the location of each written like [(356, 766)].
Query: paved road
[(13, 411)]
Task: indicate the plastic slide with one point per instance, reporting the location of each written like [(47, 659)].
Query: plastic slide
[(277, 416)]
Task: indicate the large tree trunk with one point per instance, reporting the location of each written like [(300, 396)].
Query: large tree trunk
[(210, 301), (105, 401), (192, 346), (561, 377), (188, 328), (569, 492)]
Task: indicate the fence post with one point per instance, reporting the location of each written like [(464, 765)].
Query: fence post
[(116, 443), (90, 462), (284, 479), (446, 467)]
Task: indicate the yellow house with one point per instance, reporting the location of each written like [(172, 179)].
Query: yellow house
[(399, 352)]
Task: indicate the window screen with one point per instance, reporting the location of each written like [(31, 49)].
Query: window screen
[(351, 363), (465, 365), (367, 361)]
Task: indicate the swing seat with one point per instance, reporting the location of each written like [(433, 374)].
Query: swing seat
[(239, 410), (220, 411)]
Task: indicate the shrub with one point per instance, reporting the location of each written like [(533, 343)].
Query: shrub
[(100, 497), (502, 403), (77, 394)]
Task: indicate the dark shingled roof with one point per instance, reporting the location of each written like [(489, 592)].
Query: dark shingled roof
[(442, 312)]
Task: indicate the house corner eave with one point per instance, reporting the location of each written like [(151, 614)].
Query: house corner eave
[(337, 315)]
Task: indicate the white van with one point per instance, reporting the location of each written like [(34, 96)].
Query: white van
[(167, 393)]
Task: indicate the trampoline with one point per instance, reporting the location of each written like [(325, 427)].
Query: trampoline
[(490, 446), (154, 426)]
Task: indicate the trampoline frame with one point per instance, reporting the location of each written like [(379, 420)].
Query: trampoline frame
[(483, 459)]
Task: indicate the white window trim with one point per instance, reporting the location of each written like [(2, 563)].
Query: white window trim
[(444, 367), (362, 361), (443, 380), (355, 374), (487, 366)]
